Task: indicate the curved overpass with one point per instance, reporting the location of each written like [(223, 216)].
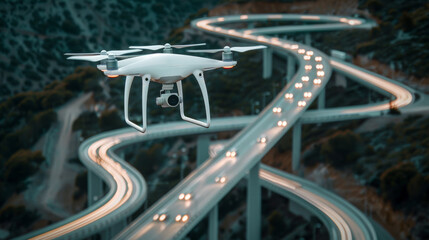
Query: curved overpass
[(201, 181), (128, 189), (127, 192)]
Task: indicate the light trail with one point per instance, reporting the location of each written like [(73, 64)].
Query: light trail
[(124, 187)]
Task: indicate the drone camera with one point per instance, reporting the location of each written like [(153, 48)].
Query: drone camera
[(168, 100)]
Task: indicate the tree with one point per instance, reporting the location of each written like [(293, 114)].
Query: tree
[(406, 22), (43, 120), (87, 122), (110, 120), (28, 104), (22, 165), (55, 98), (341, 150), (374, 5), (81, 183), (147, 160), (417, 188), (394, 182), (17, 217), (275, 224)]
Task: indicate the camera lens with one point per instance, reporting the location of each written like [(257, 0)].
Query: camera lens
[(173, 100)]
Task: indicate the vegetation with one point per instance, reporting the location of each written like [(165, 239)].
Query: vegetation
[(22, 165), (81, 183), (36, 33), (17, 169), (110, 120), (16, 219), (402, 25), (148, 160), (341, 150), (394, 160), (86, 122), (25, 117)]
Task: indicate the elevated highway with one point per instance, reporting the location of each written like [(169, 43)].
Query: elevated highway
[(127, 188)]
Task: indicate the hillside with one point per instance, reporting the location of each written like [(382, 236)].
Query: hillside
[(36, 34)]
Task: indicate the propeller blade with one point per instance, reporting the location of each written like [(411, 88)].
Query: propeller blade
[(245, 49), (206, 50), (122, 52), (95, 58), (80, 54), (188, 45), (150, 47), (112, 52), (127, 56)]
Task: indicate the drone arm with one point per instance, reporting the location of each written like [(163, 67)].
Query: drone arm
[(200, 79), (128, 83)]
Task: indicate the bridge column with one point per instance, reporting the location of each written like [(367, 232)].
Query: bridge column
[(95, 192), (296, 145), (203, 142), (95, 188), (267, 62), (253, 230), (321, 99), (308, 39), (213, 223), (290, 67)]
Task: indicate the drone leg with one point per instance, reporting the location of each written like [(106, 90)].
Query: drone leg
[(145, 88), (128, 83), (200, 79)]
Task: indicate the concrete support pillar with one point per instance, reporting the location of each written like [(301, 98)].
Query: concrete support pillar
[(267, 62), (213, 223), (296, 146), (203, 143), (308, 39), (321, 99), (290, 67), (340, 80), (253, 230), (95, 188)]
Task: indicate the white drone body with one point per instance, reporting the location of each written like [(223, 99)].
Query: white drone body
[(165, 68)]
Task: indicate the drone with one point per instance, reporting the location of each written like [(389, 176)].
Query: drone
[(165, 68)]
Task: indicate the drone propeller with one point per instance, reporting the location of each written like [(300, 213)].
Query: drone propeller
[(228, 49), (97, 58), (104, 52), (166, 46), (108, 58), (91, 58), (103, 55)]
